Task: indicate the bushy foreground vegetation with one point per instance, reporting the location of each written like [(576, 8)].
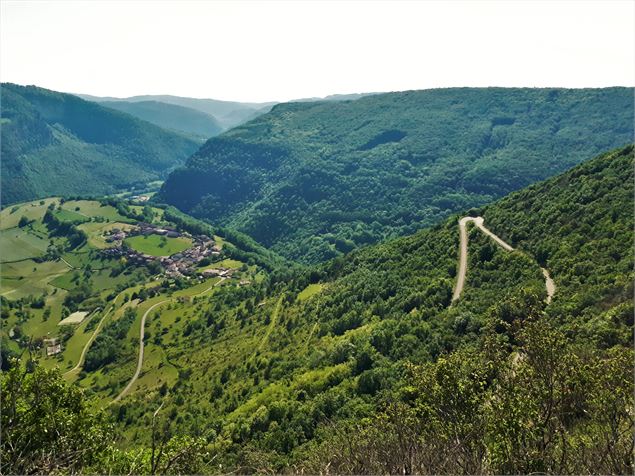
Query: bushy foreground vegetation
[(316, 180)]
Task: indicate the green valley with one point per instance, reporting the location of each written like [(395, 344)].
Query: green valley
[(315, 180), (357, 362), (59, 144)]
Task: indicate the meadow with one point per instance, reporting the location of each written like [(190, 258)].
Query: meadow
[(157, 245)]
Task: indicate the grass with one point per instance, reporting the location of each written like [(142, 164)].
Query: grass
[(226, 263), (10, 216), (28, 278), (310, 290), (92, 208), (70, 216), (156, 245), (20, 243)]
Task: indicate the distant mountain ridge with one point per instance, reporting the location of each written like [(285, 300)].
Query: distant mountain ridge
[(316, 179), (228, 114), (58, 144), (195, 124)]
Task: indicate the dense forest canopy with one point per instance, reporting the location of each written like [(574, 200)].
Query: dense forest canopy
[(59, 144), (314, 180)]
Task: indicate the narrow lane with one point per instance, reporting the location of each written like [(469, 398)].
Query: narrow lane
[(460, 279), (140, 361)]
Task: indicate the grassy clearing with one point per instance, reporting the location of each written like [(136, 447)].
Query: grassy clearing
[(70, 216), (156, 245), (226, 263), (28, 278), (197, 289), (310, 290)]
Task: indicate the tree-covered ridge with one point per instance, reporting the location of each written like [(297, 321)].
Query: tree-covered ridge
[(314, 180), (59, 144), (304, 375), (583, 234)]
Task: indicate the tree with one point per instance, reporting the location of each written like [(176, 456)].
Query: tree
[(47, 426)]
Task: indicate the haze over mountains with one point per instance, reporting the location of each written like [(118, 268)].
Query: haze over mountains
[(227, 113), (198, 125), (313, 180)]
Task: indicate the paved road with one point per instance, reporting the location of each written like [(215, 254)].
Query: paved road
[(140, 361), (460, 279)]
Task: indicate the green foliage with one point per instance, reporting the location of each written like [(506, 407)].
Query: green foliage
[(47, 426), (550, 407), (313, 180), (59, 144), (583, 234), (107, 346)]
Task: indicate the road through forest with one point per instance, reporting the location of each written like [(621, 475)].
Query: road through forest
[(460, 278)]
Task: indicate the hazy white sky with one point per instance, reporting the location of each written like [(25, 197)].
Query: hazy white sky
[(259, 51)]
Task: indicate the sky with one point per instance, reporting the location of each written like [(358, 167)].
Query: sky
[(276, 51)]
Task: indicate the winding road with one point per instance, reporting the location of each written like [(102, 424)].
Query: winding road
[(140, 361), (141, 344), (460, 279)]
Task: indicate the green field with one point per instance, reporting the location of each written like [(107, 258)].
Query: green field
[(156, 245), (310, 290), (70, 215), (10, 216), (28, 278), (92, 208), (19, 244)]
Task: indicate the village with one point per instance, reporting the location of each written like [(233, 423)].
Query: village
[(178, 265)]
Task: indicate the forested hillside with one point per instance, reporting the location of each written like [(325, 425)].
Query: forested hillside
[(187, 121), (362, 365), (314, 180), (59, 144)]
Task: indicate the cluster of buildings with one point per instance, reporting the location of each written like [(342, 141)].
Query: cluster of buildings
[(184, 263), (177, 265)]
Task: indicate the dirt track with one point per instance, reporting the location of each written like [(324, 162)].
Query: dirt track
[(140, 361), (460, 278)]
